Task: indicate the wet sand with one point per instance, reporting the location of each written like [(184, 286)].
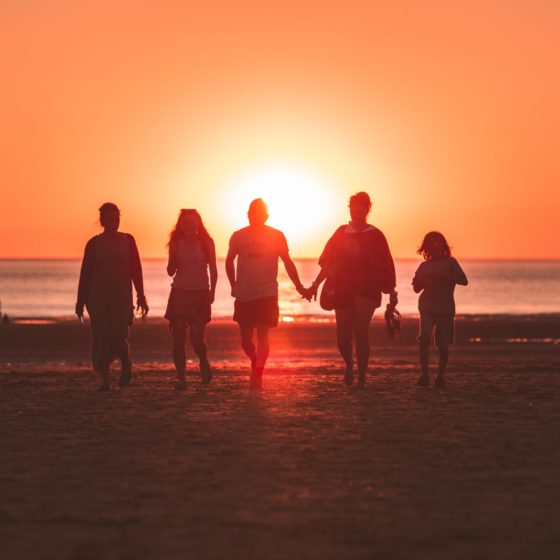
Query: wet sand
[(307, 468)]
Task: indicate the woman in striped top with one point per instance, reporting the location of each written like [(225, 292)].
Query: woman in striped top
[(110, 266)]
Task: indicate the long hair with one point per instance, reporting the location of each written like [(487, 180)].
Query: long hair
[(428, 238), (202, 232)]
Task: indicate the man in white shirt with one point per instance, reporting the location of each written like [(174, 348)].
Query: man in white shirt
[(254, 284)]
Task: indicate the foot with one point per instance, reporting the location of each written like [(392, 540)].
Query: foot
[(423, 381), (104, 387), (349, 377), (439, 382), (181, 385), (256, 378), (124, 379), (205, 373), (361, 381)]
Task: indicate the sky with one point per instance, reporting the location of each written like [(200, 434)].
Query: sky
[(446, 112)]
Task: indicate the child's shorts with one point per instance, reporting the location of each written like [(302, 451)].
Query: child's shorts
[(440, 326)]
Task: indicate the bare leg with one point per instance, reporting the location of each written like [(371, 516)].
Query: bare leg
[(424, 379), (178, 333), (247, 343), (443, 359), (100, 349), (123, 352), (344, 326), (199, 347), (263, 346), (363, 312)]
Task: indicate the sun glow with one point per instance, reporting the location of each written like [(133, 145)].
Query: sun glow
[(301, 202)]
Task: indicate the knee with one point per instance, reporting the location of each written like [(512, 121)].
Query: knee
[(197, 338), (179, 340)]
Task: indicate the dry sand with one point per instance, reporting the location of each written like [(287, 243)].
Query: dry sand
[(306, 469)]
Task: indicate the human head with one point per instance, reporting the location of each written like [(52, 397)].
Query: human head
[(360, 206), (189, 222), (258, 212), (109, 216), (434, 246)]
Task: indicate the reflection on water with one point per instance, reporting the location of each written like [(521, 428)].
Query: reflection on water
[(47, 288)]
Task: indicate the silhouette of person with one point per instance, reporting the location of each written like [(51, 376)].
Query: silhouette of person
[(358, 262), (254, 285), (110, 265), (191, 255), (435, 280)]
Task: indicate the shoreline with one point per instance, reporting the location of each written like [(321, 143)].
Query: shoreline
[(65, 341)]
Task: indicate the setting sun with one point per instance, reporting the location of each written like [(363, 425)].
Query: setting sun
[(301, 202)]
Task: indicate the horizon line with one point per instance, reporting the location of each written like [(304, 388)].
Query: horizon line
[(408, 258)]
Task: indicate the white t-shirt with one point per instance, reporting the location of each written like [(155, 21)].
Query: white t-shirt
[(257, 249)]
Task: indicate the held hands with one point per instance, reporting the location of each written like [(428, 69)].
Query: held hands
[(142, 306), (308, 293)]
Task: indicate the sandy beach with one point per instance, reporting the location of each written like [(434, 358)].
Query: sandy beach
[(307, 468)]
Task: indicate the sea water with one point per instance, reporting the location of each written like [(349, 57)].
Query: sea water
[(47, 288)]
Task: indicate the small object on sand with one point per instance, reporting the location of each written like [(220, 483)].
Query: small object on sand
[(392, 320)]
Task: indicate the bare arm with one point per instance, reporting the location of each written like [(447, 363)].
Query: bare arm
[(86, 274), (213, 270), (137, 276), (292, 272), (172, 260), (230, 268)]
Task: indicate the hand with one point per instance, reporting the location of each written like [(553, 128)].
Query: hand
[(142, 306), (303, 292), (313, 290), (80, 312), (233, 294), (212, 296)]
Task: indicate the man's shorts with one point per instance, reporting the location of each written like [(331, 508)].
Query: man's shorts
[(257, 312), (440, 326)]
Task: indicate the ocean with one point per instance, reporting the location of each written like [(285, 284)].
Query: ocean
[(47, 288)]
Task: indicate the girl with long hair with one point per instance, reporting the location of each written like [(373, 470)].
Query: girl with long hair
[(435, 280), (192, 264)]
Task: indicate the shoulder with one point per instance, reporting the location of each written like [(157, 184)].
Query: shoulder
[(91, 242), (241, 232), (127, 236), (376, 233), (269, 230)]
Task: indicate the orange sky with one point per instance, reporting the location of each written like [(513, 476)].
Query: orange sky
[(447, 112)]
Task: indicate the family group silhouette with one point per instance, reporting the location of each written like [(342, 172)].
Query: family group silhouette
[(356, 266)]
